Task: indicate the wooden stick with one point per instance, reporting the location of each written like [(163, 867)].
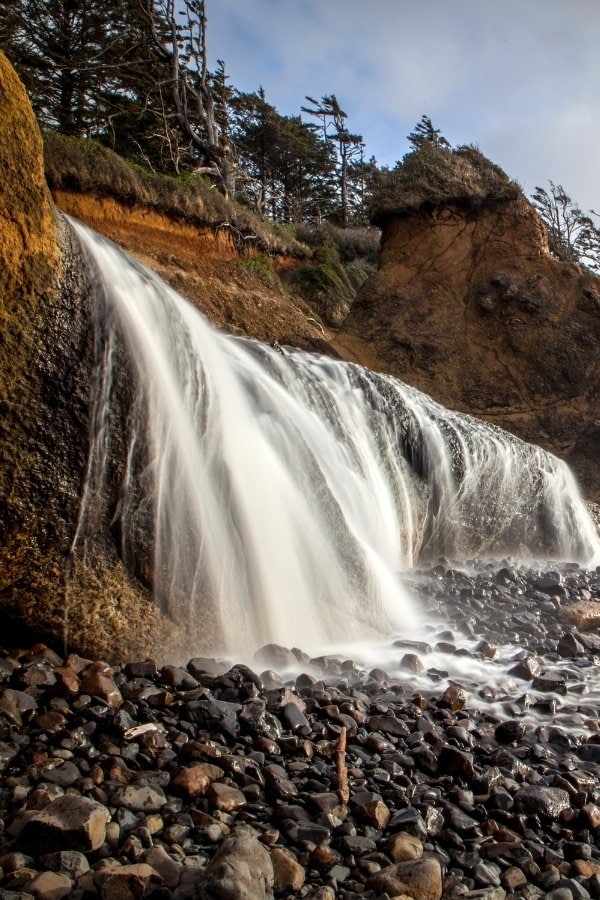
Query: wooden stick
[(342, 770)]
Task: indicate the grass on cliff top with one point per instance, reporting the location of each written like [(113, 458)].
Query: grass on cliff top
[(434, 175), (82, 165)]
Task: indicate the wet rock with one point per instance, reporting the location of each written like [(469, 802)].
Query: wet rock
[(193, 781), (548, 584), (241, 868), (166, 867), (71, 822), (139, 798), (68, 862), (98, 682), (288, 874), (278, 782), (411, 821), (371, 807), (585, 616), (293, 718), (403, 847), (49, 886), (527, 668), (549, 682), (128, 882), (280, 658), (545, 801), (421, 879), (63, 773), (569, 646), (486, 649), (510, 732), (452, 761), (225, 797), (513, 878), (410, 662), (454, 698)]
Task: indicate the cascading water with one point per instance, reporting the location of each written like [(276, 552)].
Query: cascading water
[(276, 495)]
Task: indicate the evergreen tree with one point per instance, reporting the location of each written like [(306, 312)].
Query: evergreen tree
[(286, 166), (256, 132), (572, 235), (348, 147), (425, 135), (73, 56)]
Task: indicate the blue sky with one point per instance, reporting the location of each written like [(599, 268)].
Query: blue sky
[(520, 78)]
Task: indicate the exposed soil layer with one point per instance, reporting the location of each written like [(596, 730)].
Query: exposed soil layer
[(217, 270)]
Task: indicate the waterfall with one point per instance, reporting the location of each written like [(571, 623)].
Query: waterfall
[(276, 495)]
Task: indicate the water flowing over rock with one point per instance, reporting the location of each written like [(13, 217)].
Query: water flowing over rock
[(43, 402), (270, 495), (47, 346)]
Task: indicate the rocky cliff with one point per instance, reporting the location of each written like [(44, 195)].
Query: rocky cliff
[(469, 306), (46, 340)]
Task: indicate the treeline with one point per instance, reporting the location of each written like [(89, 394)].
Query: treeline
[(134, 75)]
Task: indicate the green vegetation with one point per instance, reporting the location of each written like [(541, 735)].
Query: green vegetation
[(85, 165), (433, 174), (134, 76), (572, 235), (261, 266), (340, 265)]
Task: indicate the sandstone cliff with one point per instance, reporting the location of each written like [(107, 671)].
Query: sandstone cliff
[(469, 306)]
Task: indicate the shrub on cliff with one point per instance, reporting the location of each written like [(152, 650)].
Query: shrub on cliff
[(434, 174), (342, 260), (83, 165)]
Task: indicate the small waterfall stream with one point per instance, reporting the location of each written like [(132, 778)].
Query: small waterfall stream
[(278, 494)]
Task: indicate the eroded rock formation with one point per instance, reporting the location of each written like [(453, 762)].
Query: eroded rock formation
[(469, 306)]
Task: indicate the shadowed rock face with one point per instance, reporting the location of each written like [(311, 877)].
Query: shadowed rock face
[(469, 306), (47, 351), (33, 378)]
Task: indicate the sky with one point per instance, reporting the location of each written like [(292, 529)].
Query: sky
[(518, 78)]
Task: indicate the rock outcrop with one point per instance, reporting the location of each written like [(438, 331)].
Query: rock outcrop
[(35, 378), (47, 346), (469, 306)]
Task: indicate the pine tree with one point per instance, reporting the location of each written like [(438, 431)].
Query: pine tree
[(425, 135), (70, 54), (572, 235), (348, 147)]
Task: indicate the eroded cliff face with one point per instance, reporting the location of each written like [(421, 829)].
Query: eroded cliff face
[(469, 306), (237, 289)]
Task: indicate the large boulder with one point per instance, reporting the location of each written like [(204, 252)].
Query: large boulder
[(469, 306), (46, 379)]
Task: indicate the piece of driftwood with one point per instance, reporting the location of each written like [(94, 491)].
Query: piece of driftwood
[(342, 770)]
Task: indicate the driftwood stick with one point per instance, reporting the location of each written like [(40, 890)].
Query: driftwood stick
[(342, 770)]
